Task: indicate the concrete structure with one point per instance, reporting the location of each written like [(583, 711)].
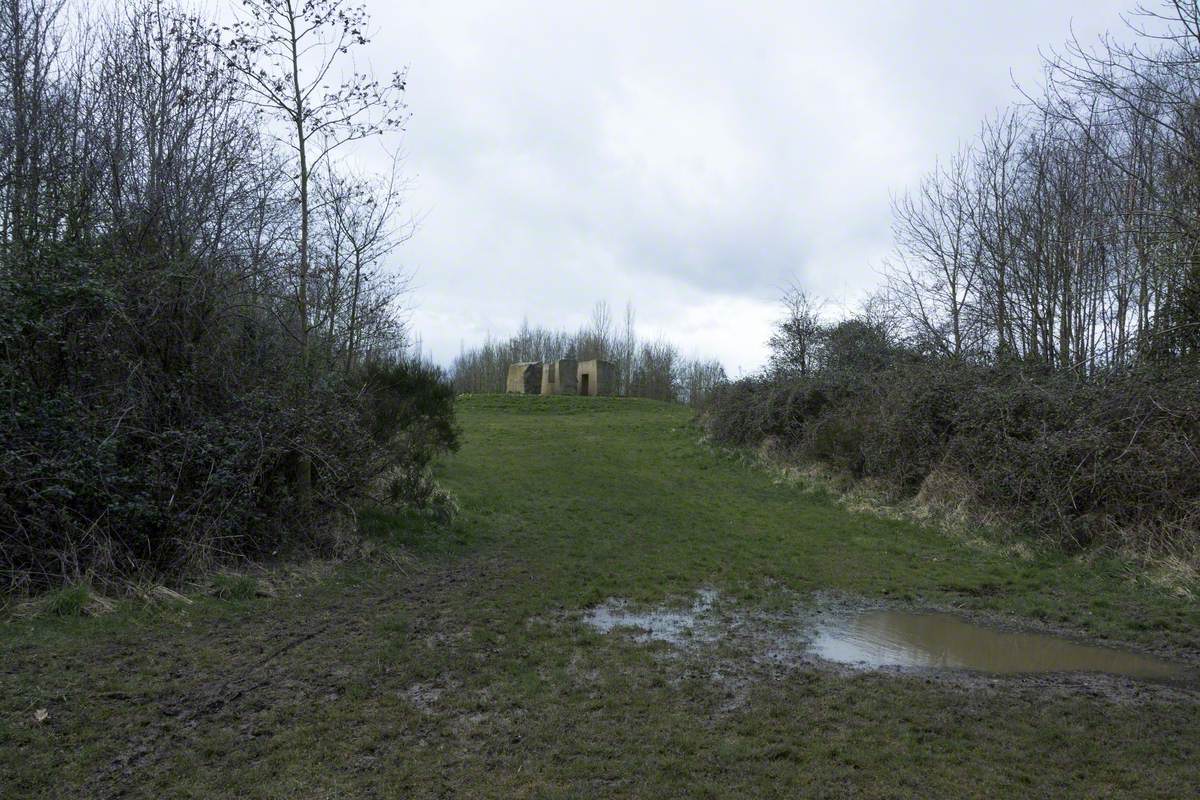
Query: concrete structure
[(597, 378), (565, 376), (525, 378), (560, 377)]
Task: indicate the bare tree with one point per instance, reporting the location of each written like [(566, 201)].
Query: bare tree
[(29, 59), (626, 347), (935, 271), (288, 54), (363, 227), (795, 342)]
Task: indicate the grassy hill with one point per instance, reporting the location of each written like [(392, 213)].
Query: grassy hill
[(461, 665)]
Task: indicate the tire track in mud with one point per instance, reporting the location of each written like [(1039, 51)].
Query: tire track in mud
[(182, 718)]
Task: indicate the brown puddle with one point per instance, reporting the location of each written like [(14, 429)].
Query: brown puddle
[(882, 638)]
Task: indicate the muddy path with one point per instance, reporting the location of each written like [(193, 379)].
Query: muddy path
[(230, 677), (446, 671)]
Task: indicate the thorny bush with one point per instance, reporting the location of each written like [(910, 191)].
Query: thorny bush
[(1109, 460)]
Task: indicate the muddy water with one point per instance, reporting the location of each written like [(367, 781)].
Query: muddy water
[(673, 626), (897, 638)]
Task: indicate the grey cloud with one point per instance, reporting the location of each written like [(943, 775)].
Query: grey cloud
[(688, 157)]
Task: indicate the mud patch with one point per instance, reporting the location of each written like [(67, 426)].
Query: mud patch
[(818, 632), (677, 627), (423, 696)]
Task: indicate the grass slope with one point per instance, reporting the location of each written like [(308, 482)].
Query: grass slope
[(465, 673)]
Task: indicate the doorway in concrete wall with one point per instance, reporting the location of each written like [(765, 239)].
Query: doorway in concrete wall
[(583, 384)]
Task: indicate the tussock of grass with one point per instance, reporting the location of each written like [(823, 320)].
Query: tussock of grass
[(234, 587), (75, 600), (1175, 575), (69, 601)]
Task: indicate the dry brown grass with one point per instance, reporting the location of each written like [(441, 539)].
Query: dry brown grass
[(949, 502)]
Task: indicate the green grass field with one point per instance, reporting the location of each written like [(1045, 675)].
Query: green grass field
[(463, 670)]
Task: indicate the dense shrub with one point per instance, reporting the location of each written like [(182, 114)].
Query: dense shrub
[(1110, 460), (134, 480), (1089, 460), (408, 409), (91, 490), (197, 364)]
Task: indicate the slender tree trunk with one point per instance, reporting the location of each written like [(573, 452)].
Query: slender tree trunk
[(352, 344), (304, 463)]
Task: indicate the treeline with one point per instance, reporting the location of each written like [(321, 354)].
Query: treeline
[(651, 369), (201, 351), (1034, 346), (1066, 234)]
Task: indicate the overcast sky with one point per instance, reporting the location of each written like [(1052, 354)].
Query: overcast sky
[(688, 157)]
